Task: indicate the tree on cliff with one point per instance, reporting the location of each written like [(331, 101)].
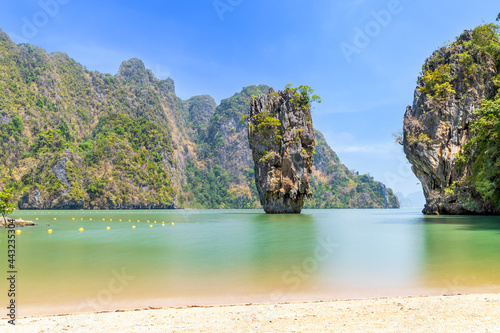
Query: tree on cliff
[(305, 93), (6, 206)]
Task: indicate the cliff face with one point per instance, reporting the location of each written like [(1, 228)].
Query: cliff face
[(71, 138), (281, 138), (456, 80), (226, 176), (335, 186)]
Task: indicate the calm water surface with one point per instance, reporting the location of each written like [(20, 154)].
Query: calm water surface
[(243, 256)]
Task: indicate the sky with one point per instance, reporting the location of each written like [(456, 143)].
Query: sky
[(362, 57)]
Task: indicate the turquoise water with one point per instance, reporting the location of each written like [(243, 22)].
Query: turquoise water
[(243, 256)]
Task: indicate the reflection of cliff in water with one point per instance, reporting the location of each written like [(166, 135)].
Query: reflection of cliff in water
[(461, 253), (281, 246)]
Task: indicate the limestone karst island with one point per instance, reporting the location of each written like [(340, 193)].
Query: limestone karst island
[(250, 166), (452, 131), (281, 137)]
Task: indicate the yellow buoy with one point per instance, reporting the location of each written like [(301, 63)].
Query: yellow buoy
[(163, 225), (36, 219), (150, 225), (81, 229), (172, 223), (111, 219), (55, 219), (120, 220), (81, 218), (148, 221), (90, 219), (18, 232), (73, 218), (129, 221), (155, 221), (133, 227), (104, 219), (50, 231), (108, 228), (138, 221)]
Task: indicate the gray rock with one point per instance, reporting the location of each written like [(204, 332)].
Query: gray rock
[(133, 71), (31, 201), (60, 172), (281, 138), (5, 119), (446, 123), (166, 86)]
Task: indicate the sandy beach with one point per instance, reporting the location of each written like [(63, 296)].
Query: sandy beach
[(460, 313)]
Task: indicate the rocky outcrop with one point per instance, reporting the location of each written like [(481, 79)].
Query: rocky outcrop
[(335, 186), (132, 143), (198, 109), (31, 200), (5, 222), (134, 72), (281, 138), (5, 119), (456, 79), (60, 173)]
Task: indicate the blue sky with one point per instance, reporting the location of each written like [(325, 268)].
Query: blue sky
[(366, 79)]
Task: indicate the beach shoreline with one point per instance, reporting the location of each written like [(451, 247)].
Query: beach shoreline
[(469, 313)]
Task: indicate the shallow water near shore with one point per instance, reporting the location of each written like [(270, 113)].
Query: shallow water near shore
[(245, 256)]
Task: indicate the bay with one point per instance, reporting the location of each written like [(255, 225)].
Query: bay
[(206, 257)]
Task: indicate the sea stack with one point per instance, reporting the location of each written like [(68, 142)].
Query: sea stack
[(281, 137), (443, 125)]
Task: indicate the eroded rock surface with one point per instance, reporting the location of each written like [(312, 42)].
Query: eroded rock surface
[(456, 79), (281, 138)]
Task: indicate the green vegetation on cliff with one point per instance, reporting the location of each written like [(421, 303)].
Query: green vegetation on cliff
[(335, 186), (481, 154), (74, 138), (485, 145), (223, 144), (102, 131)]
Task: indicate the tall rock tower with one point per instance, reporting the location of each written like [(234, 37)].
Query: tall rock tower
[(281, 137)]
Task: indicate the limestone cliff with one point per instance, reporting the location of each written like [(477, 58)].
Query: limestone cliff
[(72, 138), (281, 137), (455, 80)]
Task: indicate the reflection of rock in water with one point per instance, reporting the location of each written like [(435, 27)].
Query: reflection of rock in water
[(281, 138), (462, 254)]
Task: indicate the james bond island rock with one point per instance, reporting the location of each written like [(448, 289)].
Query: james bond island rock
[(451, 131), (73, 138), (281, 137)]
